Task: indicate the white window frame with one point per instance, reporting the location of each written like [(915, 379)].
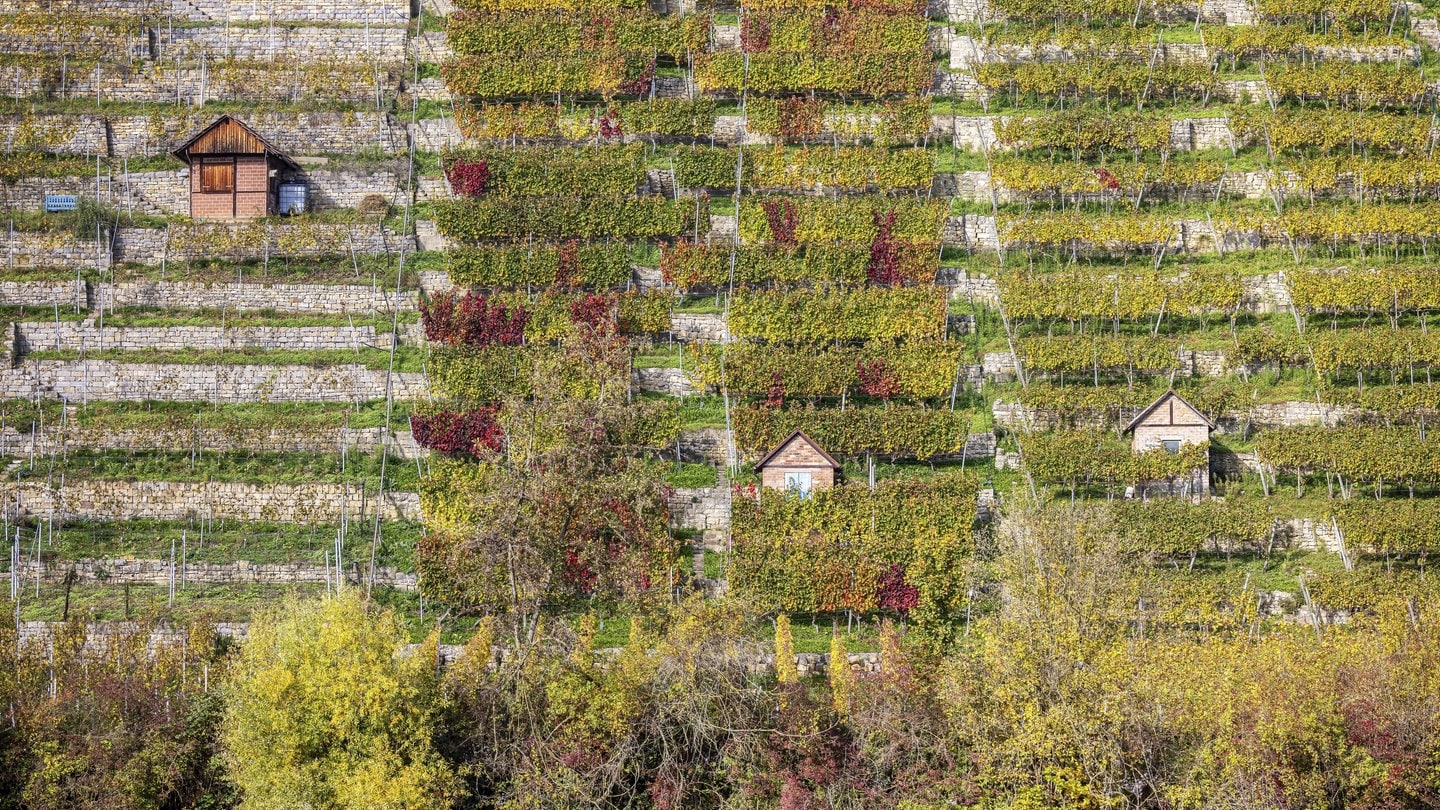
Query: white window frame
[(800, 482), (1165, 445)]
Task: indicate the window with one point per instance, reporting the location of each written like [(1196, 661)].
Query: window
[(1172, 446), (798, 483), (217, 176)]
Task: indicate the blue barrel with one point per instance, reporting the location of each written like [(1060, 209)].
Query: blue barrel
[(292, 198)]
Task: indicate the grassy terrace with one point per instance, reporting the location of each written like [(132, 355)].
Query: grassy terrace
[(223, 541), (407, 358), (256, 468)]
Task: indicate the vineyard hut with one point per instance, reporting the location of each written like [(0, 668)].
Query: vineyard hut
[(1170, 423), (798, 465), (234, 172)]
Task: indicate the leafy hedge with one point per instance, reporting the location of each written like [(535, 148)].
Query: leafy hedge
[(689, 265), (915, 370), (809, 168), (1085, 353), (568, 217), (594, 171), (847, 29), (470, 377), (869, 313), (554, 33), (1360, 453), (1394, 526), (668, 117), (1073, 295), (835, 549), (848, 219), (1175, 526), (597, 266), (504, 75), (899, 431), (853, 73), (1079, 457), (898, 120)]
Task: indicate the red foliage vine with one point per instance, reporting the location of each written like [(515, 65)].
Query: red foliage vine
[(569, 273), (640, 85), (884, 265), (458, 433), (877, 379), (775, 394), (892, 592), (469, 179), (799, 119), (610, 126), (592, 310), (579, 573), (472, 320), (754, 34), (1108, 180), (783, 219)]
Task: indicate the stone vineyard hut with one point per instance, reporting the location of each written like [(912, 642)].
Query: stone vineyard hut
[(1171, 423), (799, 465), (234, 172)]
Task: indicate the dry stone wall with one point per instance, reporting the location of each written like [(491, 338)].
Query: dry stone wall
[(241, 572), (177, 500), (698, 328), (86, 380), (31, 336), (302, 298), (385, 45), (152, 246), (672, 381), (57, 250), (382, 12), (184, 438), (705, 509), (68, 294), (295, 133)]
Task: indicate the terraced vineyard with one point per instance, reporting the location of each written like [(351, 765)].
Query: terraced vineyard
[(570, 271)]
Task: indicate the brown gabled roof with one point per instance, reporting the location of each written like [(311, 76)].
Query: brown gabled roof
[(236, 137), (1149, 409), (788, 439)]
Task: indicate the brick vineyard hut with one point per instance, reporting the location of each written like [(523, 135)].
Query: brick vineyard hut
[(1171, 423), (234, 172), (797, 464)]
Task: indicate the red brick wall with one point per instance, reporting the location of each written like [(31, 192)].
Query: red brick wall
[(252, 186), (773, 477), (252, 192), (798, 456)]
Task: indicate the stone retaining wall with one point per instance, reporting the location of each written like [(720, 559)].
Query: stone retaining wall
[(85, 380), (670, 381), (295, 133), (151, 246), (31, 336), (58, 250), (704, 509), (698, 328), (706, 445), (68, 294), (240, 572), (305, 298), (184, 438), (1269, 415), (175, 500), (386, 45), (384, 12)]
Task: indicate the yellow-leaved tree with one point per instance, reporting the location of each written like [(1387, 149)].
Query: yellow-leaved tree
[(323, 712)]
